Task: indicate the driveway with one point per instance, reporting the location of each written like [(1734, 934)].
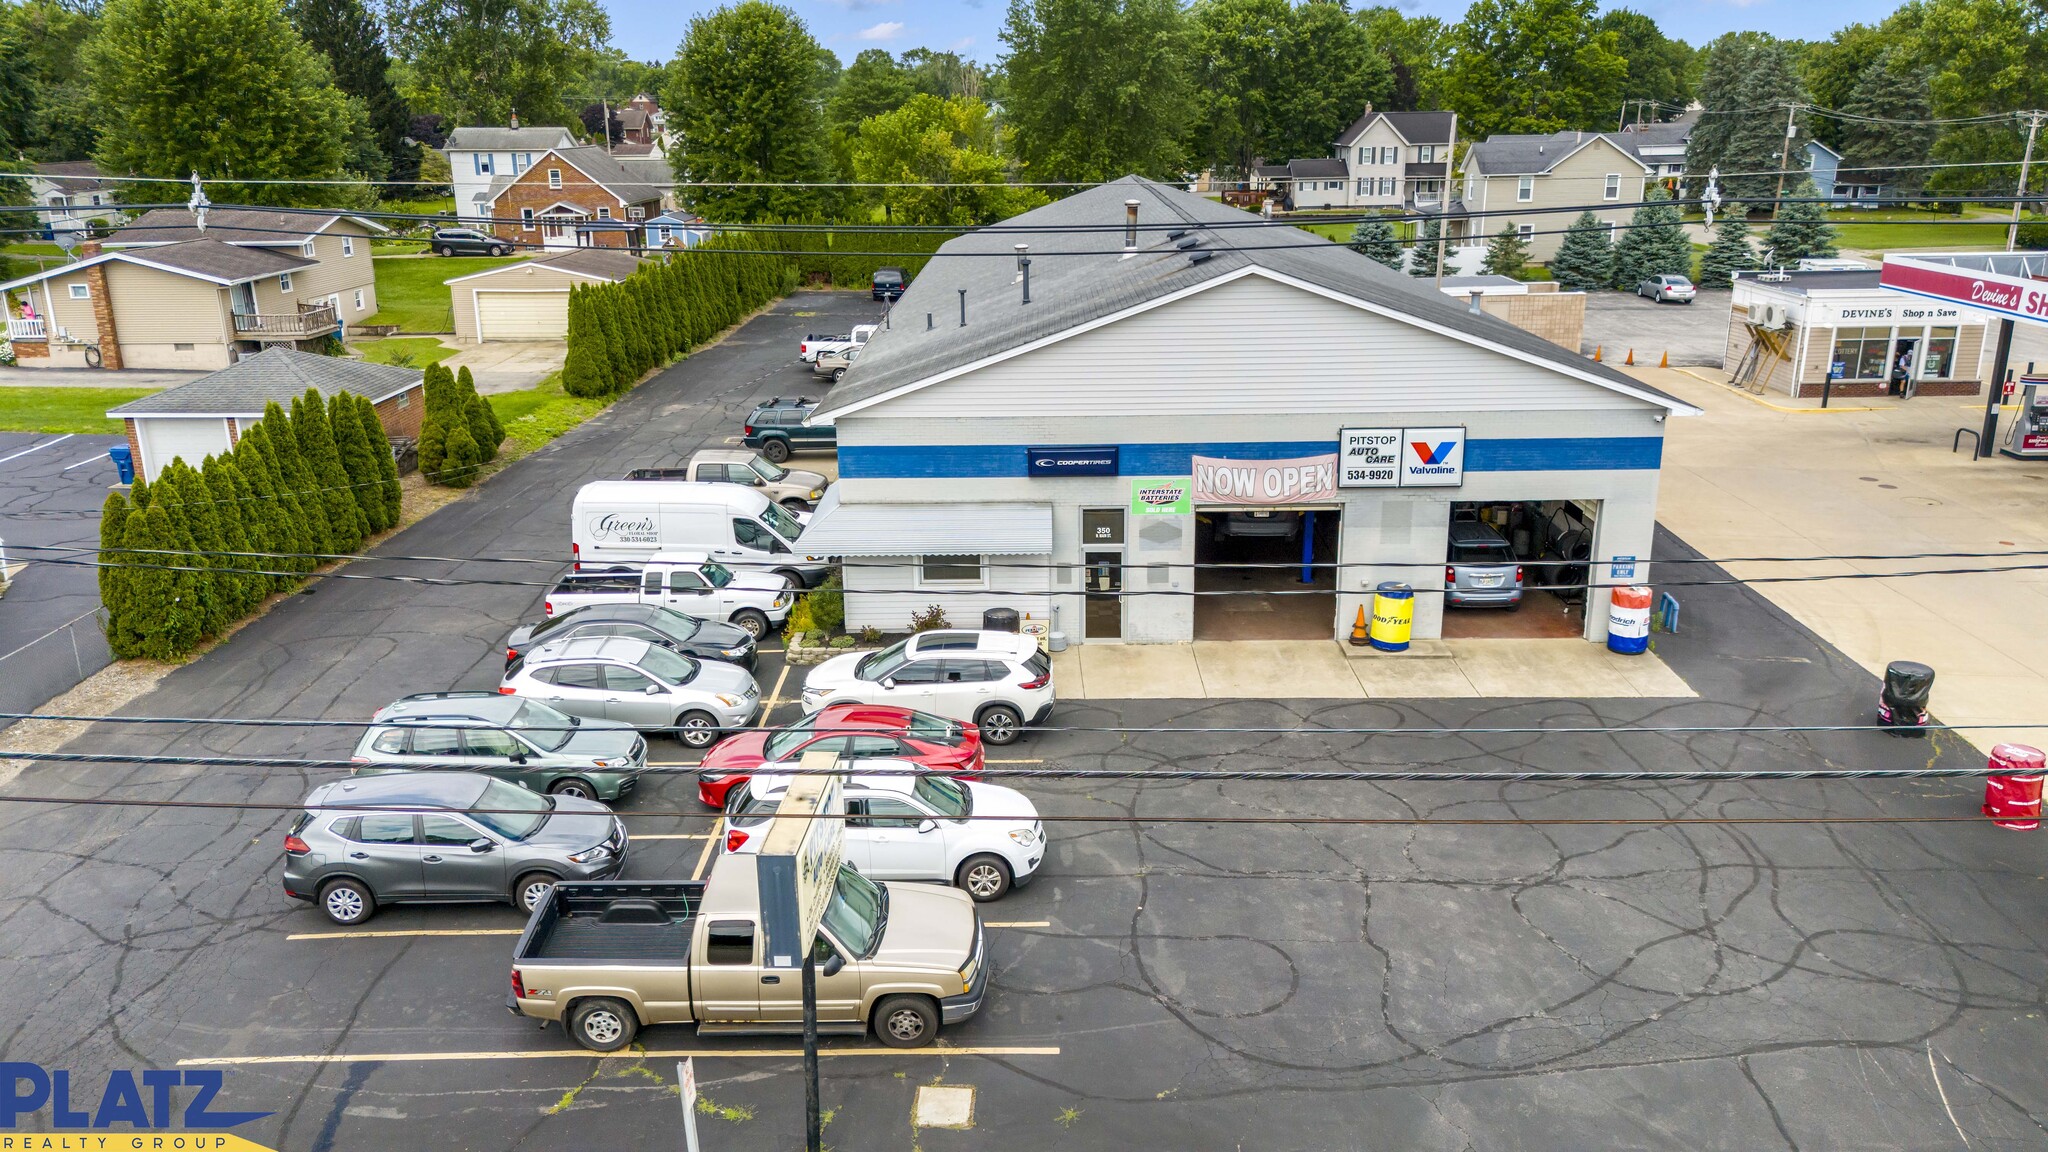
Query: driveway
[(51, 488), (501, 366), (18, 377), (1693, 334)]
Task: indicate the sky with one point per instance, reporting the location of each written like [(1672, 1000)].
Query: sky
[(650, 29)]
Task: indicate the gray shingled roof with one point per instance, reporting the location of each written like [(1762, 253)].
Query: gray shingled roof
[(625, 183), (1068, 291), (1414, 127), (610, 263), (221, 261), (1534, 155), (1326, 169), (490, 138), (228, 225), (73, 175), (280, 374)]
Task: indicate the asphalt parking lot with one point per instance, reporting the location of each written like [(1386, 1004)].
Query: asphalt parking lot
[(1694, 334), (1545, 978), (51, 488)]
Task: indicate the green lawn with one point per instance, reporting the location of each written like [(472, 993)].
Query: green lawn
[(33, 249), (405, 351), (64, 409), (534, 416), (1341, 233), (411, 292), (397, 247), (1871, 235)]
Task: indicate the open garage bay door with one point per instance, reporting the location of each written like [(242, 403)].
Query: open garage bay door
[(522, 315), (1499, 559), (1249, 571)]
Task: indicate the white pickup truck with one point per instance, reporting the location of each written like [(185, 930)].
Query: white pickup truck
[(690, 583), (812, 345)]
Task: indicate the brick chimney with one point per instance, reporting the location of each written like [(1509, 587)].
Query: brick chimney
[(89, 249), (102, 307)]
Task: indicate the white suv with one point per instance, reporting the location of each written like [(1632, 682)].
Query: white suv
[(997, 681), (912, 827)]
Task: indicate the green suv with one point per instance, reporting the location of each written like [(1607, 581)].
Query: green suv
[(523, 742), (777, 428)]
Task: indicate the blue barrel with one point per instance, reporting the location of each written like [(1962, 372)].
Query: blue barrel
[(124, 462), (1393, 617)]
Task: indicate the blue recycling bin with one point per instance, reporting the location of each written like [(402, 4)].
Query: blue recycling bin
[(124, 462)]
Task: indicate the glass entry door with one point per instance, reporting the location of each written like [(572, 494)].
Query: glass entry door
[(1102, 574)]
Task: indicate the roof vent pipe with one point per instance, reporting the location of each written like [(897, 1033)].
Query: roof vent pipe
[(1474, 306), (928, 322), (963, 307), (1130, 226), (1024, 270)]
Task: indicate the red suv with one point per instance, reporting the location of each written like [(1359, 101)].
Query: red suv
[(856, 732)]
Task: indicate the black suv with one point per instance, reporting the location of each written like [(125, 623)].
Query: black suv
[(777, 428), (889, 283), (467, 242)]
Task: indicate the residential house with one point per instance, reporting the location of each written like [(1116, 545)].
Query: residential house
[(676, 230), (1316, 184), (73, 194), (160, 294), (1661, 145), (206, 416), (529, 300), (1540, 184), (648, 163), (572, 198), (1843, 190), (1391, 160), (648, 126), (479, 156)]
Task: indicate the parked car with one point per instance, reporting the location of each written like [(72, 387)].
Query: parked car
[(1667, 288), (754, 601), (467, 242), (350, 851), (634, 682), (790, 487), (613, 522), (690, 635), (522, 742), (913, 828), (1483, 571), (607, 960), (999, 681), (856, 732), (1261, 524), (815, 344), (833, 365), (777, 429), (888, 284)]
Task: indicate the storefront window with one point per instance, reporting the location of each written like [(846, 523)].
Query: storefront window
[(1937, 363), (1861, 352)]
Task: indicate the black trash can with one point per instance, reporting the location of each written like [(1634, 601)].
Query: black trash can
[(1001, 620), (1907, 687)]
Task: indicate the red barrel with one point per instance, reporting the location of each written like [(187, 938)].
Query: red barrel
[(2013, 797)]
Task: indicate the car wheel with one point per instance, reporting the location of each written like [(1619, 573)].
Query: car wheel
[(577, 788), (603, 1025), (753, 621), (984, 877), (445, 250), (796, 505), (532, 891), (496, 250), (697, 729), (999, 724), (906, 1021), (347, 902), (838, 374), (776, 451), (795, 578)]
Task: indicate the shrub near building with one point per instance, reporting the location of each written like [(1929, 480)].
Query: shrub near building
[(455, 414)]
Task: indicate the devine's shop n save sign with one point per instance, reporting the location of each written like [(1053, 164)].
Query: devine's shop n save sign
[(2014, 296), (1304, 480)]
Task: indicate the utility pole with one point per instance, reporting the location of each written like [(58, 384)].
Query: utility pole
[(1443, 203), (1784, 161), (604, 104), (2012, 233)]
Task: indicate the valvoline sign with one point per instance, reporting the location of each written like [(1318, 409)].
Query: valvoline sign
[(1432, 457)]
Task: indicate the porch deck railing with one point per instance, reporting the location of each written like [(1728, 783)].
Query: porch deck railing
[(309, 321)]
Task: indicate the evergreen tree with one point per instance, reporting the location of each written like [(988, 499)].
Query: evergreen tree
[(1373, 238), (1654, 243), (434, 416), (434, 446), (364, 484), (138, 492), (230, 513), (621, 356), (462, 459), (387, 465), (1802, 227), (287, 527), (585, 370), (259, 586), (183, 505), (1896, 138), (165, 619), (1748, 81), (1422, 255), (113, 514), (1586, 258), (467, 384), (353, 41), (316, 441), (1729, 253), (1507, 254), (478, 418), (295, 477)]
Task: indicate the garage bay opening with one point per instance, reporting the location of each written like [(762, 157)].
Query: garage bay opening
[(1518, 569), (1244, 556)]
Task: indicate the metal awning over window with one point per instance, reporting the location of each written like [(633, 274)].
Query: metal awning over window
[(927, 529)]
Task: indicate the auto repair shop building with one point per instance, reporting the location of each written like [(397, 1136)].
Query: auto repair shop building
[(1187, 405)]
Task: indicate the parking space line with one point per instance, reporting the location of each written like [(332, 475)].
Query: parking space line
[(398, 932), (101, 459), (675, 763), (1013, 761), (1016, 924), (580, 1054), (37, 447), (669, 835), (704, 857), (775, 696)]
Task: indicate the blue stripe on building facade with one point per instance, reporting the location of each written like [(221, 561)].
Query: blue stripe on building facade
[(1556, 454)]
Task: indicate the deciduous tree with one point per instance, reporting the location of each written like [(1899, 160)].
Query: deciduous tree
[(929, 141), (480, 61), (1097, 89), (1533, 66), (744, 96)]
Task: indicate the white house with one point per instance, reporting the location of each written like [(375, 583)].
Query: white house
[(1391, 160), (480, 154), (73, 194)]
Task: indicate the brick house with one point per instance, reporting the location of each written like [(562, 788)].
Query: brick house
[(207, 416), (573, 198)]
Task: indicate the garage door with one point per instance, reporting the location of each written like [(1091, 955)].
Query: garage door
[(193, 439), (522, 315)]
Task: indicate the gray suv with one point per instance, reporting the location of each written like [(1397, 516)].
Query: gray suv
[(365, 842), (1483, 571), (523, 742)]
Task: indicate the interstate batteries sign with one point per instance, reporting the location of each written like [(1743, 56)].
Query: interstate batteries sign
[(1401, 457)]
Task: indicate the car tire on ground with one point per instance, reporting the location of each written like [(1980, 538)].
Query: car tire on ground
[(496, 249), (795, 504), (775, 450), (838, 374), (985, 877), (754, 621), (906, 1021), (531, 889), (573, 787), (1000, 724), (445, 250), (697, 729), (795, 578), (347, 901), (603, 1024)]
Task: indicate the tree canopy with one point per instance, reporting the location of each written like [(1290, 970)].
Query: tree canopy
[(1748, 83), (479, 61), (353, 41), (1533, 66), (934, 141), (1097, 89), (743, 95)]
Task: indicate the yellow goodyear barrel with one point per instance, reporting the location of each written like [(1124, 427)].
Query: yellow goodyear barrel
[(1393, 617)]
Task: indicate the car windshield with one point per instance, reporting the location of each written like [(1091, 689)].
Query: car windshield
[(884, 662), (543, 725), (945, 797), (781, 744), (667, 666), (857, 913), (767, 471), (714, 573), (785, 525), (1482, 552), (676, 624), (936, 729), (511, 811)]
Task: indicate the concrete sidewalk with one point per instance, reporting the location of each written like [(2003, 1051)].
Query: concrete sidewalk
[(1750, 480), (1320, 670)]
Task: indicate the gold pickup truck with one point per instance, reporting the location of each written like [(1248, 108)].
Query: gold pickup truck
[(608, 958)]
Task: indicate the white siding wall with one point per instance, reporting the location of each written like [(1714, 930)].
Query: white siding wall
[(898, 593)]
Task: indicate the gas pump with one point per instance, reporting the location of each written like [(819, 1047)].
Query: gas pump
[(2028, 438)]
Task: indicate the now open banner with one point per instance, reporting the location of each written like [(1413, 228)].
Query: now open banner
[(1304, 480)]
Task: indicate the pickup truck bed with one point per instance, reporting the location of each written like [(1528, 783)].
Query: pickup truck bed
[(614, 923)]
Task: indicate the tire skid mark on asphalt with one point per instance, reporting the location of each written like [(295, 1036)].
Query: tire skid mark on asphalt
[(584, 1054)]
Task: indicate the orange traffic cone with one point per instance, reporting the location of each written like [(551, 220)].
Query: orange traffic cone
[(1631, 361), (1358, 636), (1666, 361), (1596, 353)]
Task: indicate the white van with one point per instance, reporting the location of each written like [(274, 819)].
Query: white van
[(615, 522)]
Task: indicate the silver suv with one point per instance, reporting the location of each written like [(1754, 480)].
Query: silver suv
[(523, 742), (643, 685), (365, 842), (1483, 571)]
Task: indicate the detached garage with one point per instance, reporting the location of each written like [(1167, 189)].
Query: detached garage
[(530, 300)]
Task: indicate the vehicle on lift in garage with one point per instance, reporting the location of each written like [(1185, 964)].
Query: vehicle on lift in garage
[(1483, 571)]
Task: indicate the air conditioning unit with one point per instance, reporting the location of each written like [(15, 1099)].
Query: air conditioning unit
[(1757, 311), (1767, 315)]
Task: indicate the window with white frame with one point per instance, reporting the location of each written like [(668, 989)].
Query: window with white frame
[(1361, 155), (1613, 230), (1525, 231), (526, 219), (1390, 155), (95, 199), (951, 570), (1613, 189), (1389, 185), (1525, 189), (359, 299), (554, 177), (1425, 154), (1365, 186), (284, 281), (81, 292), (348, 245), (309, 251), (604, 213), (482, 161)]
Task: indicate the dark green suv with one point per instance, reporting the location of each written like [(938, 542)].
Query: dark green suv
[(777, 428)]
